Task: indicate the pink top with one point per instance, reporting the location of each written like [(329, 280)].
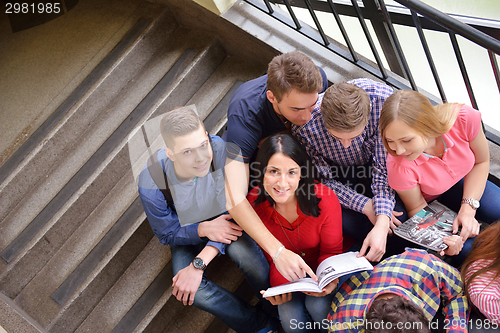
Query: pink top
[(435, 175), (484, 291)]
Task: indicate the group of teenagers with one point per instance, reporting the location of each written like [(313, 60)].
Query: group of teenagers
[(305, 171)]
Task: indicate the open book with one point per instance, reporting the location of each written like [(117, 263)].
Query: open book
[(429, 226), (329, 269)]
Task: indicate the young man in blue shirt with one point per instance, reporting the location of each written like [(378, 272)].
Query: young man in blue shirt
[(259, 108), (194, 222)]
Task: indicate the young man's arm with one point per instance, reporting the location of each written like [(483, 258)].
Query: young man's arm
[(289, 264), (455, 305), (187, 280)]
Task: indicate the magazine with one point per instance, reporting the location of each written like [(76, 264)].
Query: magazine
[(429, 226), (328, 270)]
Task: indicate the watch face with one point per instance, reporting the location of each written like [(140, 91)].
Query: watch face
[(475, 203), (198, 263)]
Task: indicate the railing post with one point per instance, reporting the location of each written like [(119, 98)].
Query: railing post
[(384, 37)]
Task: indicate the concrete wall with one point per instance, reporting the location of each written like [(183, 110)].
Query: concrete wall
[(216, 6)]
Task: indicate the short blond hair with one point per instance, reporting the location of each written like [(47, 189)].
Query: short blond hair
[(345, 107), (293, 70), (416, 111), (178, 122)]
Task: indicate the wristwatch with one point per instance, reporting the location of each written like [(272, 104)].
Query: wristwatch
[(472, 202), (198, 263)]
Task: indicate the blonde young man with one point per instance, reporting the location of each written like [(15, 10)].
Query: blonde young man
[(344, 142), (259, 108), (190, 215)]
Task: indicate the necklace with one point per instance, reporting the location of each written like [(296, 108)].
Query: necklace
[(445, 150), (298, 232)]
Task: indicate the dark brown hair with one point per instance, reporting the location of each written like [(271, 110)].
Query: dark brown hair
[(289, 146), (397, 315), (293, 70), (345, 107)]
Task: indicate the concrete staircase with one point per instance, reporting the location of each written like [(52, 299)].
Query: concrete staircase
[(78, 254)]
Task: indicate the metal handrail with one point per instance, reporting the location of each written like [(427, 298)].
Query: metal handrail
[(452, 24), (415, 13)]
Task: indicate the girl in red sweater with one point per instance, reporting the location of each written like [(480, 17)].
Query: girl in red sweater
[(305, 217)]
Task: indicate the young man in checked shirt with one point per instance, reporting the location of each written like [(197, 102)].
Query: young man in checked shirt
[(344, 142), (402, 294)]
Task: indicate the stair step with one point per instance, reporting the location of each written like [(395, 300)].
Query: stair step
[(55, 144), (78, 215), (117, 162), (108, 272), (146, 302), (58, 263), (135, 281), (105, 65), (76, 278), (84, 258), (93, 163), (175, 317)]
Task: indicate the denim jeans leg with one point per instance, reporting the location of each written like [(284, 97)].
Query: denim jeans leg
[(250, 259), (318, 308), (489, 210), (305, 313), (293, 314), (210, 297), (355, 225)]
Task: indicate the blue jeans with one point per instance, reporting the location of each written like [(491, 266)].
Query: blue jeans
[(358, 225), (234, 312), (488, 212), (304, 313)]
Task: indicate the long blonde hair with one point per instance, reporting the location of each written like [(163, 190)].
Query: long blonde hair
[(416, 111)]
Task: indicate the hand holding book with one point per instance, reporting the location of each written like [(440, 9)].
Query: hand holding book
[(328, 271)]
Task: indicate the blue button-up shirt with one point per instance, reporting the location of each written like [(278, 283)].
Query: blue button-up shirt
[(195, 201)]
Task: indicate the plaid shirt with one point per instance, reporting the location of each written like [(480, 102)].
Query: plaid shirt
[(323, 147), (415, 275)]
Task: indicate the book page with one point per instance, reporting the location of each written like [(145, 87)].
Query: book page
[(304, 284), (329, 269), (339, 265)]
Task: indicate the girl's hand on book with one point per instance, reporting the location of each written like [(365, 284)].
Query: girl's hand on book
[(468, 222), (455, 244), (329, 288), (278, 299)]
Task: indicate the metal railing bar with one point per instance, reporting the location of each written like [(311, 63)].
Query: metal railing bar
[(292, 14), (402, 16), (397, 45), (310, 33), (428, 54), (463, 70), (454, 25), (316, 21), (369, 39), (269, 7), (494, 65), (343, 31)]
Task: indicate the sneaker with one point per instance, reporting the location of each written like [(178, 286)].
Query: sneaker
[(272, 329)]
